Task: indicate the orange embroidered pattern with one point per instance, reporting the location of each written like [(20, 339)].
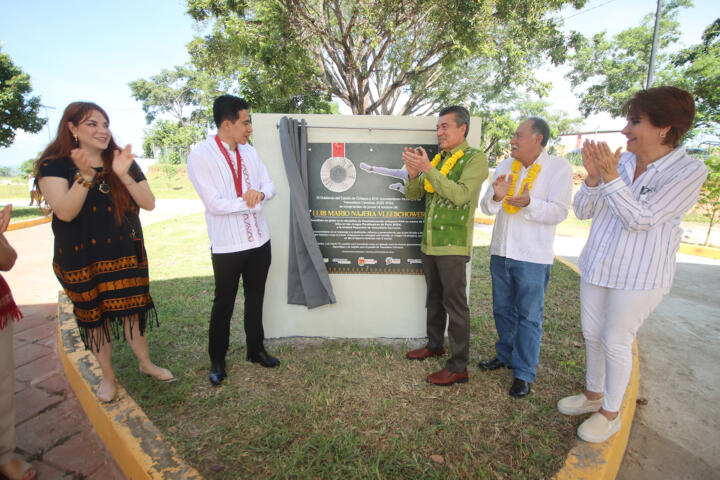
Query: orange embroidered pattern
[(105, 266), (112, 305), (106, 287)]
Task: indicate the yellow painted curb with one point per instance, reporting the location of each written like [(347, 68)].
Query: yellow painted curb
[(601, 461), (686, 248), (568, 264), (598, 461), (700, 251), (485, 221), (138, 447), (29, 223)]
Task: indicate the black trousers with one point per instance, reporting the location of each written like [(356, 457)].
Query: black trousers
[(446, 304), (253, 266)]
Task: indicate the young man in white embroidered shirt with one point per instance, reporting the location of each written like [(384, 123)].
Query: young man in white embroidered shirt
[(636, 201), (530, 195), (233, 184)]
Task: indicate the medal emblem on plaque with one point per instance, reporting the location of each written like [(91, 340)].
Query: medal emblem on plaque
[(338, 172)]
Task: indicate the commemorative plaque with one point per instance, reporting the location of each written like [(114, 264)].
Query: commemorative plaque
[(361, 219)]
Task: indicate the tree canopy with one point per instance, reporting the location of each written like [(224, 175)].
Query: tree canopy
[(699, 72), (17, 110), (178, 105), (377, 56), (709, 199), (607, 71)]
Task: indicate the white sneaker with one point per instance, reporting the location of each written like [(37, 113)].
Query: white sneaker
[(578, 405), (598, 428)]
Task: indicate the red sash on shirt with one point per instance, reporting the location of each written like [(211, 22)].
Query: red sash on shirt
[(236, 175)]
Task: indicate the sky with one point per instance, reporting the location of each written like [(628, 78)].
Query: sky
[(91, 50)]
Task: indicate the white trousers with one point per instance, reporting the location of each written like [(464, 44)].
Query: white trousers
[(8, 440), (610, 319)]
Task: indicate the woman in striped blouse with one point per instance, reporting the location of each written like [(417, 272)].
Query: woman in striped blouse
[(636, 200)]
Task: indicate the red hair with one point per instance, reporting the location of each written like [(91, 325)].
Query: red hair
[(64, 142), (665, 106)]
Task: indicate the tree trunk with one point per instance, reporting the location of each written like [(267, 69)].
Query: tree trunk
[(712, 219)]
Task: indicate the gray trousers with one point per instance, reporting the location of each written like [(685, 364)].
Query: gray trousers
[(8, 440), (446, 300)]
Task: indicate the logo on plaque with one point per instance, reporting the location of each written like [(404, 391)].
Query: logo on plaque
[(338, 172)]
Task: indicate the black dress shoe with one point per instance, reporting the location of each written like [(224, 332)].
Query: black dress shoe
[(520, 388), (217, 373), (264, 359), (493, 364)]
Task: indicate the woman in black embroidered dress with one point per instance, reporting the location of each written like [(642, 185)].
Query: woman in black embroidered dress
[(95, 190)]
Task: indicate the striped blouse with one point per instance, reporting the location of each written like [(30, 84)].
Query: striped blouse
[(635, 231)]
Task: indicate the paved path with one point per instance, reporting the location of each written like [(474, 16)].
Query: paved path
[(53, 431), (676, 434)]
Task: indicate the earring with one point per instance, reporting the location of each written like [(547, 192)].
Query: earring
[(662, 134), (77, 143)]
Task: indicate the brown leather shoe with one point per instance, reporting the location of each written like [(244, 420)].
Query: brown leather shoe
[(423, 353), (445, 377)]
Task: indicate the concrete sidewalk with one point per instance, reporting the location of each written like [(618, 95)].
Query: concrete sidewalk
[(676, 429), (54, 434)]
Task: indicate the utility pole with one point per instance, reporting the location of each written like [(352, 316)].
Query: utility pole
[(651, 68), (47, 120)]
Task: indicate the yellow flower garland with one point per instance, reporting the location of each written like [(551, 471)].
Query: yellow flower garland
[(532, 174), (447, 166)]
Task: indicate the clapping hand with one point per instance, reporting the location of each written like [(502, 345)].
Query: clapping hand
[(501, 186), (416, 160), (600, 162), (122, 160), (5, 217), (521, 199), (82, 161)]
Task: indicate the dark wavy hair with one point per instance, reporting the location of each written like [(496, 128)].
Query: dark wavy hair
[(60, 148), (462, 116), (664, 106)]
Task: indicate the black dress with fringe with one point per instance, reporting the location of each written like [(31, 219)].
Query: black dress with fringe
[(102, 266)]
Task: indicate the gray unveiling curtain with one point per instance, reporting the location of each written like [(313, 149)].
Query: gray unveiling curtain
[(308, 280)]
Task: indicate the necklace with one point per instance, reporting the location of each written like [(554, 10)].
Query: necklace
[(447, 166), (532, 174), (102, 181)]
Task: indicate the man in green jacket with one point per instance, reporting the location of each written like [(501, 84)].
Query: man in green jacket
[(451, 185)]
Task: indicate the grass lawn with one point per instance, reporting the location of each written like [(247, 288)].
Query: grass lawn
[(343, 408), (171, 182), (14, 187), (26, 213)]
